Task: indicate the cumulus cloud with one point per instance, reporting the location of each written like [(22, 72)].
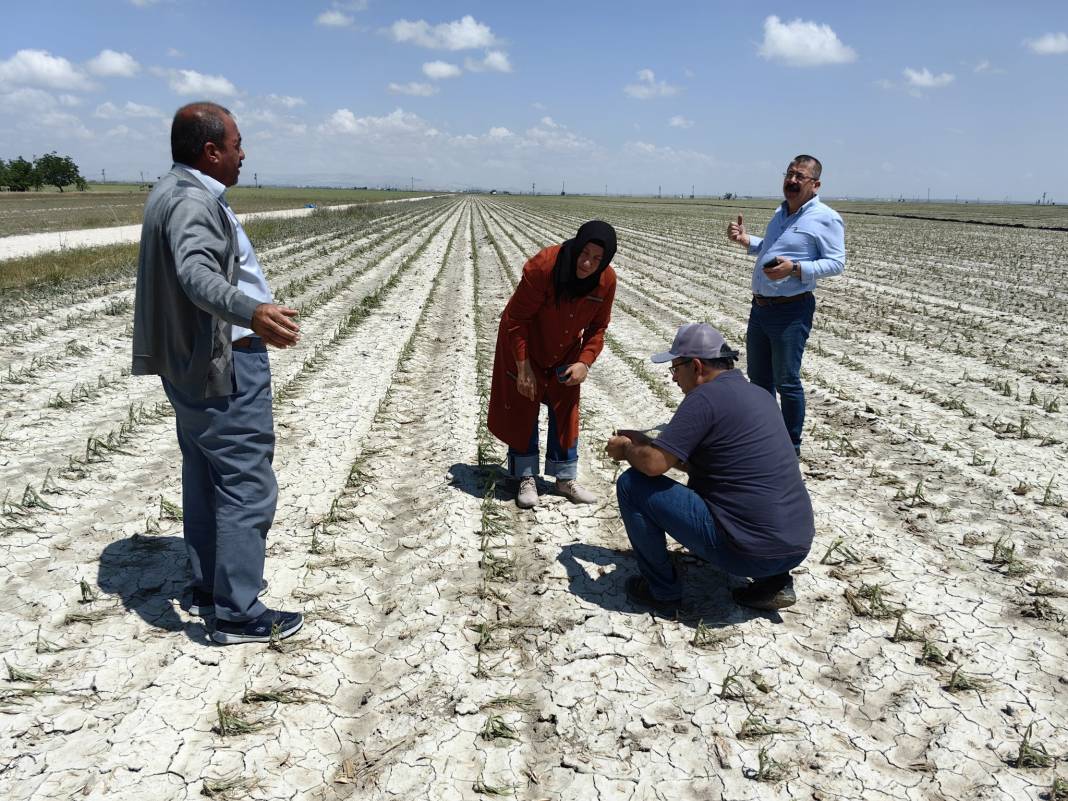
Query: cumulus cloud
[(925, 79), (648, 87), (1050, 44), (41, 68), (466, 33), (112, 64), (549, 122), (494, 61), (646, 151), (33, 110), (413, 88), (191, 82), (334, 19), (499, 132), (344, 122), (438, 70), (109, 111), (803, 44), (285, 100), (678, 121)]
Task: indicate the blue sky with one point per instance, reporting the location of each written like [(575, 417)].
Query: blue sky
[(897, 98)]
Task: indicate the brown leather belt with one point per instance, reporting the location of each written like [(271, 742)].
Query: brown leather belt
[(761, 300), (244, 342)]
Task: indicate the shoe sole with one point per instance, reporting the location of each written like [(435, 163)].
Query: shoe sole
[(768, 606), (224, 638)]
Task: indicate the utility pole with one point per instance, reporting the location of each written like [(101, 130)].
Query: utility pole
[(606, 190), (692, 187), (256, 179), (103, 177), (928, 194), (658, 188), (532, 188), (142, 177), (413, 183), (563, 188)]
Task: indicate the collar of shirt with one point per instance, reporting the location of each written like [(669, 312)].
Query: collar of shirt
[(784, 205), (215, 187)]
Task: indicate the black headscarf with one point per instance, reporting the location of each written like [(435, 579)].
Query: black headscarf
[(566, 283)]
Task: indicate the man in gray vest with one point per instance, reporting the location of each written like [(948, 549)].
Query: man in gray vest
[(203, 317)]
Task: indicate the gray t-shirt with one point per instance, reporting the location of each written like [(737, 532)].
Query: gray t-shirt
[(743, 466)]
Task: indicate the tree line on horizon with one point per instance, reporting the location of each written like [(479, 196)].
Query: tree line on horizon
[(51, 169)]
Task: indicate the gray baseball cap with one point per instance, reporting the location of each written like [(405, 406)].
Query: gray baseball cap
[(697, 341)]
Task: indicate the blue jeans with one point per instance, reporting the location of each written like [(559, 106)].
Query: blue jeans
[(229, 490), (654, 506), (561, 463), (775, 342)]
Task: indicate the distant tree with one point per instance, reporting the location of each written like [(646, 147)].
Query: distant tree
[(3, 174), (58, 171), (20, 175)]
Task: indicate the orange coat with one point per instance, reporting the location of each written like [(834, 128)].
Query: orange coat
[(533, 327)]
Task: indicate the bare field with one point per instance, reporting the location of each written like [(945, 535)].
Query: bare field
[(122, 204), (457, 648)]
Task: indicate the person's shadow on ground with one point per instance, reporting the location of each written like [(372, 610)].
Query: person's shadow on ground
[(146, 572), (474, 480), (706, 591)]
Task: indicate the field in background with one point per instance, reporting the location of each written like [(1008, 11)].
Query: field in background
[(458, 648), (105, 205)]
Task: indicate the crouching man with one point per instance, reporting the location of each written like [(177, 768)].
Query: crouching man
[(745, 509)]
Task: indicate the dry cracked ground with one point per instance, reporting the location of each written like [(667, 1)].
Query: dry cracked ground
[(457, 648)]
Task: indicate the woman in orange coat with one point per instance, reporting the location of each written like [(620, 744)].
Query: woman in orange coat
[(551, 332)]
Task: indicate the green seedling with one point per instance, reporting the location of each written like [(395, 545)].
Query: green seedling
[(1041, 609), (903, 632), (1032, 755), (18, 674), (169, 510), (84, 617), (482, 788), (282, 695), (768, 769), (840, 554), (88, 593), (755, 726), (45, 646), (1045, 589), (49, 485), (706, 637), (497, 728), (959, 681), (230, 723), (228, 787), (521, 702), (759, 682), (733, 688), (498, 568), (1049, 497), (31, 500), (931, 654), (1059, 790)]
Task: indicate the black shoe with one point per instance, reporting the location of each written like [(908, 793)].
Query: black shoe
[(773, 592), (271, 625), (198, 602), (637, 589)]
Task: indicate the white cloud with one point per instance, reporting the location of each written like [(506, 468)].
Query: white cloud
[(648, 87), (549, 122), (112, 64), (1050, 44), (885, 83), (678, 121), (495, 61), (285, 100), (397, 122), (498, 132), (925, 79), (334, 19), (34, 110), (438, 70), (41, 68), (413, 88), (109, 111), (174, 52), (803, 44), (70, 101), (191, 82), (462, 34), (647, 151)]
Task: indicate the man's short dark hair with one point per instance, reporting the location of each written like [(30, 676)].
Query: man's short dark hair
[(817, 168), (194, 126), (719, 364)]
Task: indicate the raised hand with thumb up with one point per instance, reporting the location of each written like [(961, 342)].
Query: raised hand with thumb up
[(736, 232)]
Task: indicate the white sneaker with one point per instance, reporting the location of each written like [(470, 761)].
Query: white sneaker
[(571, 490), (527, 496)]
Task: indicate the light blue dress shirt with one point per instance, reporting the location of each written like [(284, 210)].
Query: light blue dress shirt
[(250, 277), (814, 237)]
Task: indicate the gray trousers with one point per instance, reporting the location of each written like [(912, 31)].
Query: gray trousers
[(229, 492)]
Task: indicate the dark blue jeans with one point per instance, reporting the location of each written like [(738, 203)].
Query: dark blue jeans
[(775, 342), (229, 490), (651, 507), (561, 463)]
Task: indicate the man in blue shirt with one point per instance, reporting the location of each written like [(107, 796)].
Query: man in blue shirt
[(804, 241), (745, 508)]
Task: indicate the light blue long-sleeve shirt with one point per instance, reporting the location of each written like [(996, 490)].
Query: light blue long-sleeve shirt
[(814, 237), (250, 277)]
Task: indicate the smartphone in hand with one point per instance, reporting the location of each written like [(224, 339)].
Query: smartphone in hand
[(561, 373)]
